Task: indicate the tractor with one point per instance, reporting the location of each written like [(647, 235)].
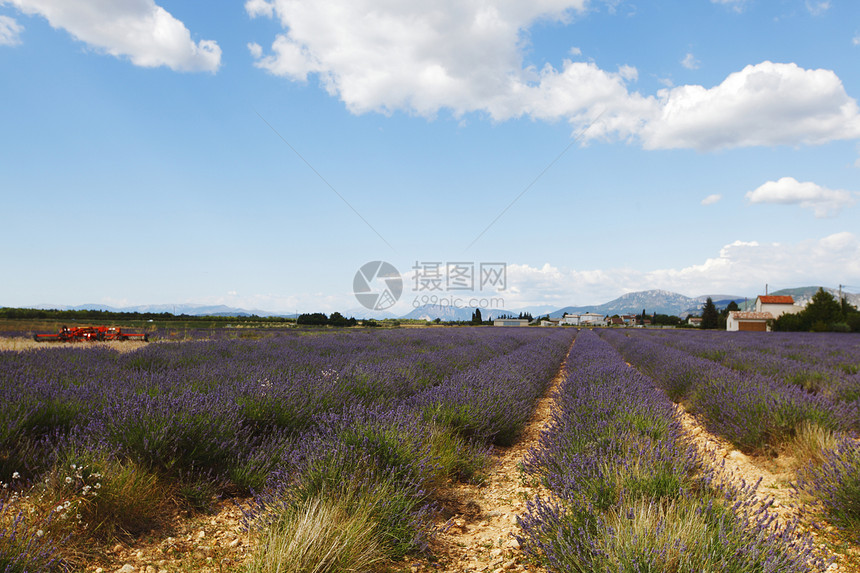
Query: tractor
[(90, 333)]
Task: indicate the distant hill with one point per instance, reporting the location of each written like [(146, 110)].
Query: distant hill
[(659, 301), (189, 309)]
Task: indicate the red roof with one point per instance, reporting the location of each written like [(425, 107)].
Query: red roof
[(782, 299)]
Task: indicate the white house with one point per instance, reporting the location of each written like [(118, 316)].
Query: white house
[(511, 322), (592, 319), (694, 321), (776, 305), (739, 320), (570, 320)]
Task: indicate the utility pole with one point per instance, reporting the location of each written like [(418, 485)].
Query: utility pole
[(841, 300)]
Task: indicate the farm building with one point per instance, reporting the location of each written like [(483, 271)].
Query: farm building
[(570, 319), (592, 319), (776, 305), (510, 322), (739, 320), (695, 321)]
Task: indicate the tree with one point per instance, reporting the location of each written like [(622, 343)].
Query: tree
[(710, 316), (665, 319), (312, 319), (476, 317), (822, 312)]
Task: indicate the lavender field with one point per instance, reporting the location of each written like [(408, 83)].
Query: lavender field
[(343, 440), (360, 420)]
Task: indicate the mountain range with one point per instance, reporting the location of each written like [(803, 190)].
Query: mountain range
[(651, 301), (175, 309)]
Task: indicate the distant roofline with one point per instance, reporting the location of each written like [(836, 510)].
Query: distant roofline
[(775, 299)]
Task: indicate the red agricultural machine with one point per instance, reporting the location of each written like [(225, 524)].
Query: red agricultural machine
[(91, 333)]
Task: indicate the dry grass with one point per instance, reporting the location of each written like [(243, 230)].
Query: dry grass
[(87, 506), (668, 532), (318, 536), (25, 344), (811, 443)]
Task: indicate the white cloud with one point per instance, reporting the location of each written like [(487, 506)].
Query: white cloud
[(137, 29), (739, 268), (259, 8), (736, 5), (467, 56), (690, 62), (817, 7), (789, 191), (10, 31), (856, 40), (764, 104), (711, 199)]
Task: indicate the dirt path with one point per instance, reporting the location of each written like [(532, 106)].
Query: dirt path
[(478, 526), (213, 543), (773, 474), (774, 477)]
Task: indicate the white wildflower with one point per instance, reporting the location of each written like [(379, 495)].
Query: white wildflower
[(40, 533), (16, 475), (68, 479)]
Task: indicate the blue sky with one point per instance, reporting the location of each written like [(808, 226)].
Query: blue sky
[(257, 154)]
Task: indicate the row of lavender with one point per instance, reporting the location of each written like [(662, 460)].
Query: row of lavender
[(157, 402), (755, 412), (826, 363), (758, 405), (629, 493), (351, 416)]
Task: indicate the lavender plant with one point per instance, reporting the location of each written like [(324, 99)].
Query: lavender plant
[(755, 412), (835, 486), (629, 494), (26, 544)]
